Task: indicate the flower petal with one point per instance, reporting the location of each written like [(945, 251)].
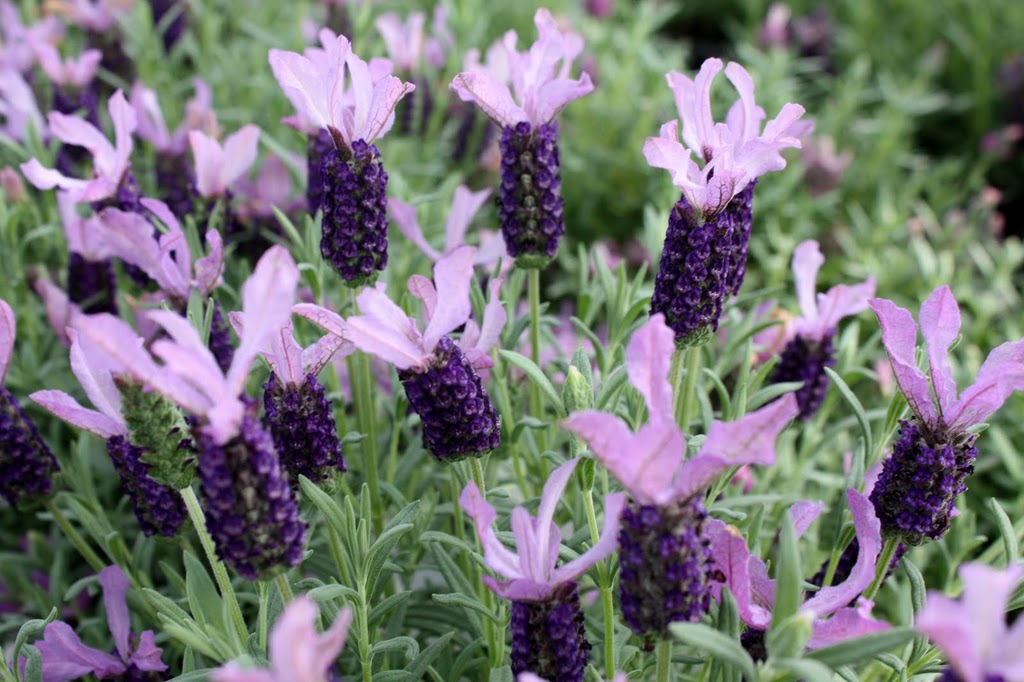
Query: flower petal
[(404, 216), (947, 624), (940, 324), (385, 330), (7, 335), (115, 587), (239, 154), (648, 360), (497, 557), (1001, 374), (899, 336), (847, 623), (64, 407), (733, 559), (492, 96), (451, 277), (807, 260), (465, 205), (607, 543), (66, 658)]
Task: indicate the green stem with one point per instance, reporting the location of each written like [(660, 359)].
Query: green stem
[(888, 550), (263, 593), (75, 537), (505, 404), (477, 470), (664, 652), (605, 589), (364, 636), (688, 369), (536, 403), (284, 587), (220, 572)]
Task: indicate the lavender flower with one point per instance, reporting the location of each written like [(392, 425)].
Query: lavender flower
[(465, 205), (66, 658), (934, 453), (92, 283), (547, 624), (158, 507), (18, 107), (808, 346), (73, 91), (972, 632), (219, 166), (298, 415), (665, 560), (439, 375), (747, 578), (409, 47), (27, 465), (250, 509), (17, 41), (704, 258), (297, 652), (529, 197), (354, 226)]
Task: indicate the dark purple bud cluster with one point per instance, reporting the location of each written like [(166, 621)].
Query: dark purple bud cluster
[(548, 637), (354, 231), (457, 415), (251, 512), (92, 284), (752, 641), (27, 465), (302, 424), (950, 675), (920, 481), (665, 565), (177, 181), (219, 341), (805, 360), (740, 212), (317, 147), (848, 559), (467, 138), (159, 508), (111, 43), (530, 195)]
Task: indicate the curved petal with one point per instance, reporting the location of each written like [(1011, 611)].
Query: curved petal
[(297, 652), (77, 131), (207, 156), (381, 114), (899, 336), (66, 658), (404, 216), (946, 623), (423, 289), (115, 587), (47, 178), (847, 623), (940, 324), (7, 335), (497, 557), (239, 154), (385, 330), (93, 370), (328, 320), (494, 320), (605, 546), (64, 407), (807, 260), (465, 205), (733, 559), (232, 672), (209, 267), (545, 521), (303, 85), (491, 95), (285, 356), (648, 360), (123, 116), (147, 655), (554, 95), (1001, 374), (451, 277)]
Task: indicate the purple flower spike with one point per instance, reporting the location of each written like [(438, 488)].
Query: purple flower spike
[(66, 658), (297, 652), (158, 508), (747, 578), (705, 253), (666, 565), (27, 465), (916, 492), (111, 163), (972, 632), (439, 375), (529, 200), (354, 226), (548, 638), (808, 340)]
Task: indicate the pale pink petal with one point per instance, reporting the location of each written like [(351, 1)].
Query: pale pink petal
[(423, 289), (328, 320), (115, 587), (451, 277), (129, 237), (987, 591), (807, 260), (734, 560), (868, 529), (553, 490), (7, 336), (125, 122), (495, 317), (497, 557), (59, 308), (397, 40), (385, 330), (47, 178), (316, 356), (847, 623), (239, 154), (210, 267), (404, 216), (465, 204), (66, 658), (843, 300), (76, 131), (208, 156), (93, 370), (648, 360), (899, 336), (297, 652), (745, 116), (804, 514), (492, 248), (285, 356), (940, 324), (492, 96), (1001, 374), (606, 544), (381, 113), (947, 624), (64, 407), (232, 672), (302, 84), (151, 125), (147, 655), (554, 95)]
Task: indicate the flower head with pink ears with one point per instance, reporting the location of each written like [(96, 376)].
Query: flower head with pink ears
[(356, 107), (166, 257), (747, 577), (972, 631), (75, 72), (733, 153), (465, 205), (297, 652), (199, 115), (650, 463), (17, 41), (289, 361), (820, 313), (218, 166), (110, 162), (66, 658), (407, 44), (541, 86), (190, 376), (386, 331), (18, 107), (531, 575), (1001, 374)]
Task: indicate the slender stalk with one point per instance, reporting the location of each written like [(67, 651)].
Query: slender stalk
[(604, 587), (284, 587), (830, 572), (477, 469), (263, 593), (220, 572), (536, 404), (888, 550), (364, 637), (686, 394), (362, 390), (507, 417), (75, 537), (664, 653)]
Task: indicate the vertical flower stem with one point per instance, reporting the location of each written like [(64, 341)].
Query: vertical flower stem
[(477, 470), (685, 369), (888, 550), (536, 404), (75, 537), (365, 657), (362, 391), (284, 587), (664, 653), (505, 405), (604, 587), (220, 572), (263, 593)]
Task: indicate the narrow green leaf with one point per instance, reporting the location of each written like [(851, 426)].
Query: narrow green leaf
[(407, 644), (536, 375), (388, 605), (203, 599), (418, 666), (804, 669), (502, 674), (789, 575), (860, 649), (325, 503), (721, 647), (326, 593), (854, 403), (1006, 532), (30, 629), (465, 602)]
